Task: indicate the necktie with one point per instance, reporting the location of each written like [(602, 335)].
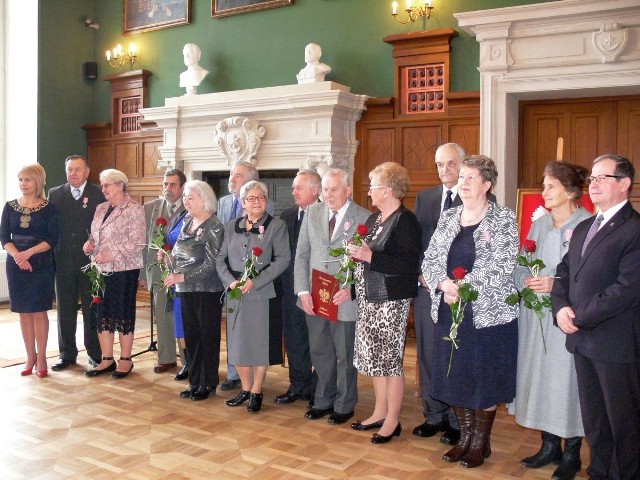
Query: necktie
[(448, 201), (76, 193), (592, 232), (332, 224), (234, 208), (172, 209), (296, 230)]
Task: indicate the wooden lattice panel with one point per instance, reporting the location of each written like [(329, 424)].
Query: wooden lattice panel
[(424, 88), (128, 114)]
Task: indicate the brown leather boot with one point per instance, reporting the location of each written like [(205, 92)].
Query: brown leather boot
[(479, 448), (465, 419)]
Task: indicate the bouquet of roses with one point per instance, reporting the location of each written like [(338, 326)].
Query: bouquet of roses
[(344, 275), (533, 301), (96, 279), (250, 271), (164, 261), (466, 294)]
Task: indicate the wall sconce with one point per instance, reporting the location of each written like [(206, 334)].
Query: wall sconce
[(415, 9), (117, 57)]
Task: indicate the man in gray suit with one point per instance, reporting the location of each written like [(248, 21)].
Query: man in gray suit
[(331, 343), (230, 208), (76, 202), (169, 206)]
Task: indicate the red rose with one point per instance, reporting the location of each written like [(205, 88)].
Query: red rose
[(459, 273), (530, 246), (96, 300), (362, 230), (161, 221), (167, 247), (257, 251)]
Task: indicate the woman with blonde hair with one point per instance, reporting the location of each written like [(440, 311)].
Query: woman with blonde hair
[(28, 232)]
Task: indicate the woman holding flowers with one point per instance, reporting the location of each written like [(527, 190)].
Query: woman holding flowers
[(473, 250), (547, 395), (254, 253), (115, 246), (386, 280), (193, 261)]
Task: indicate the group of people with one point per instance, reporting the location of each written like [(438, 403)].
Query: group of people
[(569, 370)]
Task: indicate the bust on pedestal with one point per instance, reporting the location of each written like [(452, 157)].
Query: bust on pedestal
[(195, 73), (314, 71)]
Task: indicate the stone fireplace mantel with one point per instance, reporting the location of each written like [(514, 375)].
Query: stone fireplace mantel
[(562, 49), (291, 127)]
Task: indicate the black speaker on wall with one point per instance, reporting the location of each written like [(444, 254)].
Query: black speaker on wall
[(90, 70)]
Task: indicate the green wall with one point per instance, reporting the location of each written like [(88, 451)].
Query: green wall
[(253, 50)]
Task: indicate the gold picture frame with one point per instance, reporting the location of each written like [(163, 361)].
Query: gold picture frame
[(225, 8), (147, 15)]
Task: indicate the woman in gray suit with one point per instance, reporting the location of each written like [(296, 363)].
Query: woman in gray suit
[(252, 341)]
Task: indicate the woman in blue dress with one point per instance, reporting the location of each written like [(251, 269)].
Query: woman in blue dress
[(28, 232)]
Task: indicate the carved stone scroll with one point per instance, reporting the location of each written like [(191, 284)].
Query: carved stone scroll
[(238, 139)]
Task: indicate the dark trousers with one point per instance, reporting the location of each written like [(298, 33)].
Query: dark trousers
[(302, 378), (201, 317), (71, 287), (433, 410), (610, 403)]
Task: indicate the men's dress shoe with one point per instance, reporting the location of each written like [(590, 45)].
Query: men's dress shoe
[(287, 398), (203, 392), (189, 391), (316, 413), (361, 426), (163, 367), (377, 438), (91, 361), (338, 418), (255, 403), (230, 384), (242, 397), (429, 430), (183, 374), (450, 436), (62, 364), (95, 372)]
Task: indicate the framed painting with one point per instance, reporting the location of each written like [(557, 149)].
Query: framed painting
[(530, 199), (146, 15), (225, 8)]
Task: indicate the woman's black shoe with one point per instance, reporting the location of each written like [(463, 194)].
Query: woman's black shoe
[(119, 374), (242, 397), (95, 372), (189, 391), (183, 374), (377, 438), (255, 403), (203, 393), (361, 426)]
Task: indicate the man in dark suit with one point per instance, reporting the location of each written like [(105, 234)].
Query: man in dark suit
[(302, 379), (596, 302), (76, 202), (429, 205), (169, 207)]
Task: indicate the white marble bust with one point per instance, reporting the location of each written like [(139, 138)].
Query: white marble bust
[(193, 76), (314, 71)]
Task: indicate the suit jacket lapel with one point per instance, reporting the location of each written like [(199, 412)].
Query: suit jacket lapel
[(609, 228)]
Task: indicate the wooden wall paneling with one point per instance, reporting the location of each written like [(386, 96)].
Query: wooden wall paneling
[(540, 129), (628, 139), (592, 130), (127, 155), (465, 134), (100, 158)]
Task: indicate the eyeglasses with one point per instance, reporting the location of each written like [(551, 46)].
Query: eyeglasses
[(600, 178), (106, 185), (373, 187), (259, 198)]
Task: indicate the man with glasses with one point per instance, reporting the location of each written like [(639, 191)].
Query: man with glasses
[(230, 208), (596, 301), (76, 202), (430, 203)]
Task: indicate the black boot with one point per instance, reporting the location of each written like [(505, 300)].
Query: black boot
[(465, 421), (480, 447), (550, 452), (570, 463)]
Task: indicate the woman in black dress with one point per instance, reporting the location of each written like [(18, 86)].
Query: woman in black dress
[(28, 232), (481, 238)]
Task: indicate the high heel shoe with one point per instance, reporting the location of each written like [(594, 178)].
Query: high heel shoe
[(119, 374), (42, 373), (26, 372), (255, 403), (242, 397), (377, 438), (362, 426), (95, 372)]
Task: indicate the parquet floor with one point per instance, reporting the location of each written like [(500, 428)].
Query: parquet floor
[(68, 426)]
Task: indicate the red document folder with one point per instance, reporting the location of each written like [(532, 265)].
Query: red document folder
[(323, 287)]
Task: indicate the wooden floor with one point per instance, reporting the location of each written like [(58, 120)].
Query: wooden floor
[(69, 426)]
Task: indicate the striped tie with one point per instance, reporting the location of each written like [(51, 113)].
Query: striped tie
[(76, 193)]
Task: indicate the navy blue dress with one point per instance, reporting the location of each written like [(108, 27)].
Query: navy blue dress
[(483, 370), (30, 291)]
